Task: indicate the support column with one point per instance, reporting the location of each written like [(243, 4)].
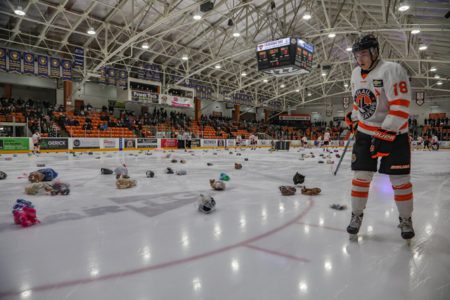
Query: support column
[(7, 90), (198, 108), (266, 116), (67, 95), (237, 113)]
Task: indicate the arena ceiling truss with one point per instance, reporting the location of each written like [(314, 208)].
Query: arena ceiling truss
[(123, 26)]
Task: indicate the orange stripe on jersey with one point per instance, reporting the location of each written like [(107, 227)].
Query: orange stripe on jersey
[(403, 186), (368, 127), (360, 183), (404, 126), (403, 197), (401, 102), (360, 194), (399, 113), (355, 107)]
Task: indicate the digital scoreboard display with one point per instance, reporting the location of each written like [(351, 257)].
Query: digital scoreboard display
[(304, 55), (287, 56)]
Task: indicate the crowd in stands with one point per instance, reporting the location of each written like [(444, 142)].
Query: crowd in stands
[(38, 115), (85, 120)]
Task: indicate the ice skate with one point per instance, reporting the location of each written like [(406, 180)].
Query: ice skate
[(407, 229), (355, 224)]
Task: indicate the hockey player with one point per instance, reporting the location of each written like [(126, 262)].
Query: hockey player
[(326, 137), (382, 95), (318, 141), (419, 142), (36, 140), (305, 141), (238, 142), (434, 143), (427, 142), (253, 141)]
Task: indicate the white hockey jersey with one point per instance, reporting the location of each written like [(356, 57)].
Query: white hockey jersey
[(326, 137), (381, 98)]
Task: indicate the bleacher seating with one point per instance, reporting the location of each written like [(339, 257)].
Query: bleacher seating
[(78, 131)]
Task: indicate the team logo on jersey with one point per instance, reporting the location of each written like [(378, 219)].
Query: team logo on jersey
[(378, 82), (366, 102)]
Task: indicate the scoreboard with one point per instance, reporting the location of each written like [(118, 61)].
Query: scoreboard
[(286, 56)]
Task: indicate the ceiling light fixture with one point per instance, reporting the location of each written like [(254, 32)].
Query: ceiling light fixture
[(404, 6), (236, 34), (197, 17), (415, 31), (217, 66), (439, 83), (19, 11), (243, 74), (91, 31), (348, 49), (433, 69), (309, 94), (423, 47), (145, 45), (332, 35), (282, 86), (185, 57), (265, 80), (307, 16)]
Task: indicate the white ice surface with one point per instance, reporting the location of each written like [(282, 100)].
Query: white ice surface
[(150, 242)]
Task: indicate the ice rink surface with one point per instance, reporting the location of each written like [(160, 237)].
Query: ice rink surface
[(150, 242)]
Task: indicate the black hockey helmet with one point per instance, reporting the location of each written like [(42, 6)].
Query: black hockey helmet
[(366, 42)]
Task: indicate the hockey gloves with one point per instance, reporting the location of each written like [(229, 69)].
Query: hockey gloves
[(382, 143), (352, 125)]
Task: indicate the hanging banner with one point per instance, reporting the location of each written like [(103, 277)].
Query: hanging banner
[(121, 79), (420, 98), (15, 62), (141, 73), (102, 78), (152, 72), (55, 67), (79, 57), (3, 59), (66, 69), (346, 102), (110, 76), (28, 63), (42, 65), (176, 101)]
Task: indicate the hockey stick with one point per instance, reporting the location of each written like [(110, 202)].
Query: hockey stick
[(343, 154)]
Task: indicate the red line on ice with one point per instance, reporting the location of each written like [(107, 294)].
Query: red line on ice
[(80, 281), (302, 259)]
